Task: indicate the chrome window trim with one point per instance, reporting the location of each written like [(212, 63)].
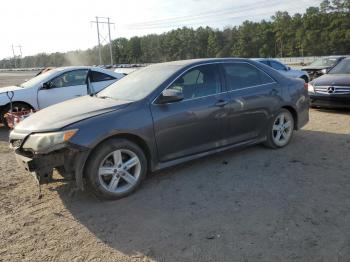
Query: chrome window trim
[(248, 87), (226, 91)]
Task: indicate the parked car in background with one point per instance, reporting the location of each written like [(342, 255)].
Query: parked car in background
[(54, 86), (322, 65), (285, 70), (333, 88), (160, 116)]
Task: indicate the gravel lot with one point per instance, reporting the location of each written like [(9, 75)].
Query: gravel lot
[(254, 204)]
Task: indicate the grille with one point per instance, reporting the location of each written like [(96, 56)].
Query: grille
[(330, 90)]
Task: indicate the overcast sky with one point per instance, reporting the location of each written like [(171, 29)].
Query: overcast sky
[(50, 26)]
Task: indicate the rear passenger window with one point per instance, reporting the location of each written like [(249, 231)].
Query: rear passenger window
[(241, 75), (99, 77), (277, 66), (199, 82)]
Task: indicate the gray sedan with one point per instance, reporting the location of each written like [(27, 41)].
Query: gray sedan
[(160, 116)]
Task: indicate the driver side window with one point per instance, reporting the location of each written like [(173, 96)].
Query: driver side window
[(71, 78), (198, 82)]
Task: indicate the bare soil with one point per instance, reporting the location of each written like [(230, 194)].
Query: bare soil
[(255, 204)]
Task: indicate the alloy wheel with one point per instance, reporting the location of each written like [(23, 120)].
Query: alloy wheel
[(282, 129), (119, 171)]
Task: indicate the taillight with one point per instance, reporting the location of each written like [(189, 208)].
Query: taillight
[(306, 86)]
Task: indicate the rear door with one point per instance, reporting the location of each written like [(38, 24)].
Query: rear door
[(195, 124), (100, 80), (252, 96), (66, 86)]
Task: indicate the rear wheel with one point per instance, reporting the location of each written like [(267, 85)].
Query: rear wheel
[(16, 107), (280, 130), (116, 168)]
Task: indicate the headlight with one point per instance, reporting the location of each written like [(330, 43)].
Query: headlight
[(324, 71), (48, 141), (310, 88)]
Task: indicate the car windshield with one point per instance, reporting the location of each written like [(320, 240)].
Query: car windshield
[(139, 84), (38, 79), (342, 68), (327, 61)]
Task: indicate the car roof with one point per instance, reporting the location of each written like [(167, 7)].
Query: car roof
[(205, 60), (94, 68), (261, 59)]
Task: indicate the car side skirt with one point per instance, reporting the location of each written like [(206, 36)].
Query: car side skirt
[(181, 160)]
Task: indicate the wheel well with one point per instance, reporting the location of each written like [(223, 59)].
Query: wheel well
[(17, 102), (133, 138), (294, 114), (4, 107), (306, 79)]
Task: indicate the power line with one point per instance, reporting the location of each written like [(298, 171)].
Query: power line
[(213, 16), (202, 15)]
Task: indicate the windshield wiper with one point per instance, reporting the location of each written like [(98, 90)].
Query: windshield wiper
[(104, 97)]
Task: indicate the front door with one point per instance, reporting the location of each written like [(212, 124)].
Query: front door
[(66, 86), (196, 123)]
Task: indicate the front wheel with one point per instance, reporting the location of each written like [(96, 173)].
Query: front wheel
[(116, 168), (280, 130)]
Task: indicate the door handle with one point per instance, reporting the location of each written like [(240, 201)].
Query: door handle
[(77, 95), (221, 103)]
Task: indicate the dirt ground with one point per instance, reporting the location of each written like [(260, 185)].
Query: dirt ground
[(15, 78), (255, 204)]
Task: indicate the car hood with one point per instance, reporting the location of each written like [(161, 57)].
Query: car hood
[(332, 79), (60, 115), (9, 88)]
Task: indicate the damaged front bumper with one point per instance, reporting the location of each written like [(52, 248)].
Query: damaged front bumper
[(69, 160)]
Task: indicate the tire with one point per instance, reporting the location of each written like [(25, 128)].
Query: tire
[(279, 135), (16, 107), (115, 169), (305, 78)]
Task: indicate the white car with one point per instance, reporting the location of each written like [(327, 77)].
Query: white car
[(285, 70), (54, 86)]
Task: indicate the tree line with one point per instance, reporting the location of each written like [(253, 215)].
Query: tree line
[(322, 30)]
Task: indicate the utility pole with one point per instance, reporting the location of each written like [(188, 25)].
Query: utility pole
[(110, 41), (99, 41), (20, 50), (14, 56), (99, 36)]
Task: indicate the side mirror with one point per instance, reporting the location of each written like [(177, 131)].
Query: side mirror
[(169, 96), (46, 85), (287, 68)]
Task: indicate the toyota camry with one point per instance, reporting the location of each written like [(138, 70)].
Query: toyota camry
[(160, 116)]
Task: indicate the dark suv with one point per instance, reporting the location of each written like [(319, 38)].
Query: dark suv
[(158, 117)]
